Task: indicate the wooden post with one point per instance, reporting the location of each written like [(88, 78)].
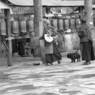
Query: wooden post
[(38, 26), (8, 31), (38, 18), (89, 12)]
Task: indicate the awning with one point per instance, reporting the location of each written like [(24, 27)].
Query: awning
[(4, 6), (49, 2)]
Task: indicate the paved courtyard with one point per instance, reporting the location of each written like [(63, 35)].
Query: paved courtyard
[(60, 79)]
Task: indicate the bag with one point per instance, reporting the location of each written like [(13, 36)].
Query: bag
[(48, 38)]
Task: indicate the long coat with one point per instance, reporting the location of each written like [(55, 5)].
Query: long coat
[(84, 33), (48, 48), (86, 43)]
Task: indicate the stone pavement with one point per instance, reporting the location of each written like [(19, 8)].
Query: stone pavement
[(60, 79)]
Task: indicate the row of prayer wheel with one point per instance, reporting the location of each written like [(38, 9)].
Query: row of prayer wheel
[(63, 24), (17, 27), (27, 26)]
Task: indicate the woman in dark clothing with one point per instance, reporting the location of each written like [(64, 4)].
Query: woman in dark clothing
[(48, 46), (51, 48), (87, 47), (55, 55), (85, 42)]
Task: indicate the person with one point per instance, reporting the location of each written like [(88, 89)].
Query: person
[(50, 44), (21, 50), (46, 47), (49, 49), (85, 42), (27, 49), (56, 50)]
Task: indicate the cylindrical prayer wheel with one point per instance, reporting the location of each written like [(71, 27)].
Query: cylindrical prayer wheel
[(75, 41), (30, 25), (58, 26), (77, 22), (66, 23), (23, 28), (72, 41), (15, 27), (72, 23), (68, 42), (61, 24), (3, 27), (55, 23), (51, 22)]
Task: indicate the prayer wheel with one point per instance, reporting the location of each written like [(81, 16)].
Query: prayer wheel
[(55, 23), (23, 28), (30, 25), (72, 41), (75, 41), (3, 27), (15, 27), (68, 42), (61, 24)]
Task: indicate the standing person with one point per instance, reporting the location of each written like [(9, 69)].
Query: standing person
[(21, 50), (56, 50), (27, 49), (85, 42)]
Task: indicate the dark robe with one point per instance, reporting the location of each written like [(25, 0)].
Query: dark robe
[(56, 52)]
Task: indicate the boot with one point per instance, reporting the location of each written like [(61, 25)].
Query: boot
[(59, 62)]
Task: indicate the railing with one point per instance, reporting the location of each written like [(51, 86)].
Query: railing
[(3, 47)]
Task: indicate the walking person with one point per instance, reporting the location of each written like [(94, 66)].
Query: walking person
[(51, 44), (47, 41), (85, 42)]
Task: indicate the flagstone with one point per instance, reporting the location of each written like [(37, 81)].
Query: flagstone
[(63, 79)]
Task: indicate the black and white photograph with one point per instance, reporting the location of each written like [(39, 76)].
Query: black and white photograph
[(47, 47)]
